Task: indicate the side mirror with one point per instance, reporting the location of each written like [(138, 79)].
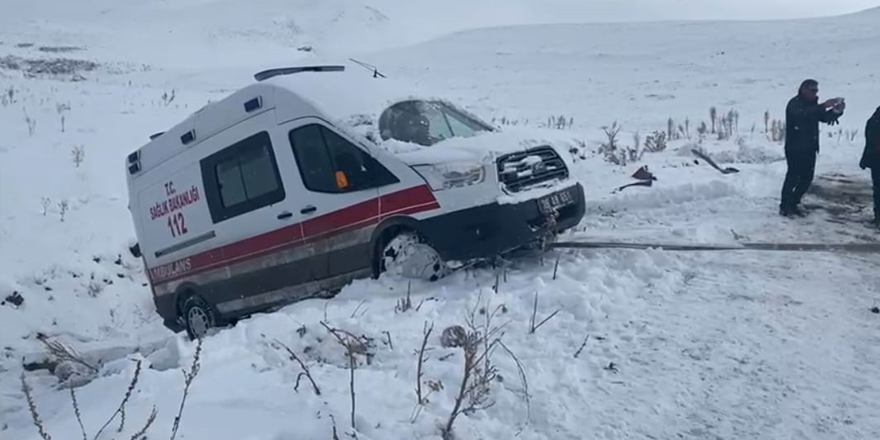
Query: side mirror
[(341, 180)]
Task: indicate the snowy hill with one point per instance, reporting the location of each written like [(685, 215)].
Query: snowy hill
[(646, 72), (669, 345), (143, 31)]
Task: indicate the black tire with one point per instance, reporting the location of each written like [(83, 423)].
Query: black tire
[(198, 316)]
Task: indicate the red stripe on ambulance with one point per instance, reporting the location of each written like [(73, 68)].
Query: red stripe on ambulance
[(404, 202)]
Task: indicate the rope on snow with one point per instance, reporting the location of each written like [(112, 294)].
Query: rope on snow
[(788, 247)]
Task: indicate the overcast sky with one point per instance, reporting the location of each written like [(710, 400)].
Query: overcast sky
[(447, 16), (623, 10)]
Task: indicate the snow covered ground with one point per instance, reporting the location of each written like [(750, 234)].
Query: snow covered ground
[(678, 345)]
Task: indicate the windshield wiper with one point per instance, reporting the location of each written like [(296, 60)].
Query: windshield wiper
[(376, 72)]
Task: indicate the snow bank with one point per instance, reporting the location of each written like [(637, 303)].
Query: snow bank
[(654, 335), (590, 301)]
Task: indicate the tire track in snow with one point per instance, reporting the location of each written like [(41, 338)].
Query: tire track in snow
[(745, 346), (753, 346)]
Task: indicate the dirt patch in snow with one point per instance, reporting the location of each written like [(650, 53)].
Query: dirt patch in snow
[(744, 154), (844, 199), (59, 49), (32, 67), (749, 154), (842, 191)]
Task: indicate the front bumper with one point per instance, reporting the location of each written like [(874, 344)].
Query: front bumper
[(489, 230)]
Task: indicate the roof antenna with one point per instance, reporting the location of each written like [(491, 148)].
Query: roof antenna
[(376, 72)]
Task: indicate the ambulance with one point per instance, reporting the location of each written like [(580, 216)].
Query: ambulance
[(314, 176)]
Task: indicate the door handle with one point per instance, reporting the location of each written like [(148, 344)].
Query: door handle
[(285, 215), (308, 210)]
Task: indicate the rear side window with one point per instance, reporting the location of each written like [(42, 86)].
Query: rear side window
[(241, 178), (330, 164)]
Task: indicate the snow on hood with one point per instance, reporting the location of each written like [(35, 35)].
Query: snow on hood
[(483, 147)]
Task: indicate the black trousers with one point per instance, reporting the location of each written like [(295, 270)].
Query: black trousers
[(875, 181), (799, 177)]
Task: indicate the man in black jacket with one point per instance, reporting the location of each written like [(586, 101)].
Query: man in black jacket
[(802, 117), (871, 159)]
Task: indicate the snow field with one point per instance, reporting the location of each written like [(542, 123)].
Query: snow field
[(604, 295), (247, 371), (733, 345), (58, 264), (661, 358)]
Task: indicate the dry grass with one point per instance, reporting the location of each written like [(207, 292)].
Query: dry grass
[(656, 142), (59, 350), (560, 122), (188, 378), (353, 346), (433, 386), (305, 369), (611, 149), (533, 327), (120, 411), (478, 344), (61, 353)]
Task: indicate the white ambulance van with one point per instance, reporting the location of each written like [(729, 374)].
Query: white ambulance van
[(313, 176)]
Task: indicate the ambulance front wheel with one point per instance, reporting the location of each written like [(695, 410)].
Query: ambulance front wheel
[(408, 255)]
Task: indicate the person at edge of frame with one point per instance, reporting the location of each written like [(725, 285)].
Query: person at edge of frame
[(871, 159)]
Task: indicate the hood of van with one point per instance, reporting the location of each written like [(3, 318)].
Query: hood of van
[(484, 147)]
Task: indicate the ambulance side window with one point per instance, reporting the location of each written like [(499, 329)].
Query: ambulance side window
[(242, 178), (330, 164)]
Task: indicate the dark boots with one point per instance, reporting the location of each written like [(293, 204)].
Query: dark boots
[(791, 211)]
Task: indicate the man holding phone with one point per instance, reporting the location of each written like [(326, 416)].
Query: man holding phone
[(802, 116)]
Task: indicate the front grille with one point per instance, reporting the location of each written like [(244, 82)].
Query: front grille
[(527, 169)]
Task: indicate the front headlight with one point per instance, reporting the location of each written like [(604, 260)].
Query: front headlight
[(451, 175)]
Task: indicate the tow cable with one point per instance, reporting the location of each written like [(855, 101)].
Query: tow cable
[(787, 247)]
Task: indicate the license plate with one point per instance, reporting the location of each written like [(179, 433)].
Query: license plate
[(555, 201)]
